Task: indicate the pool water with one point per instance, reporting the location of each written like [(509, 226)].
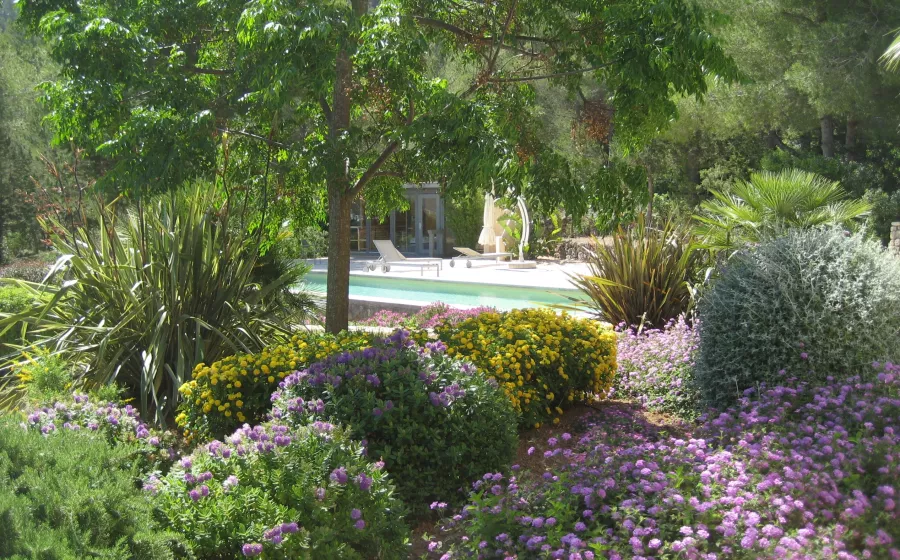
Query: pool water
[(503, 298)]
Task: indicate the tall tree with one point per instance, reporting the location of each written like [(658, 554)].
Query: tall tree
[(24, 63), (338, 97)]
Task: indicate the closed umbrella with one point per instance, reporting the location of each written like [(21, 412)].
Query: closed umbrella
[(487, 229)]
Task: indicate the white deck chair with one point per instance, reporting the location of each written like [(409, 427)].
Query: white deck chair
[(472, 255), (390, 256)]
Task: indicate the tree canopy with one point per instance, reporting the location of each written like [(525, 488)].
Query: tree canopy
[(305, 99)]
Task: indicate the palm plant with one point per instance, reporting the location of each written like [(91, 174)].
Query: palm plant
[(152, 291), (891, 56), (770, 202), (642, 277)]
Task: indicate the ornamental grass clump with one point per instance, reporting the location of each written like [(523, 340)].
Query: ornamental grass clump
[(435, 421), (818, 303), (280, 492), (70, 495), (150, 289), (223, 395), (656, 368), (796, 471), (544, 361)]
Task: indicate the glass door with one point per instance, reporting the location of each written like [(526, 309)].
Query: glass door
[(428, 224), (405, 229)]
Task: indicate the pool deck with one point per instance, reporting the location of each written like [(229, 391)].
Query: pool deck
[(548, 274)]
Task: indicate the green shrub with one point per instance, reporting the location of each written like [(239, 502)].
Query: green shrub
[(464, 216), (307, 493), (30, 270), (544, 361), (44, 376), (73, 496), (642, 277), (155, 290), (885, 211), (12, 300), (818, 302), (222, 396), (434, 421)]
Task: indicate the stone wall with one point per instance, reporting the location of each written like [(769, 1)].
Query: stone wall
[(895, 237), (574, 249)]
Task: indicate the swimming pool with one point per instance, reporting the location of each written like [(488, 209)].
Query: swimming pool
[(469, 294)]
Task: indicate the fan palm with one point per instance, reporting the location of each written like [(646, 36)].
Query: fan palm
[(770, 202), (891, 56)]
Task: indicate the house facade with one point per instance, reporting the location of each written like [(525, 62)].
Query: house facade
[(419, 231)]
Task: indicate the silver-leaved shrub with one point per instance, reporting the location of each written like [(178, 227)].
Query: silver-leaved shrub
[(819, 302)]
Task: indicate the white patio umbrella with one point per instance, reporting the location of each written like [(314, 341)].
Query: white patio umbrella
[(487, 236)]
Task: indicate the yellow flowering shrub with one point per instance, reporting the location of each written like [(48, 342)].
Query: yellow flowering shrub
[(544, 360), (222, 396)]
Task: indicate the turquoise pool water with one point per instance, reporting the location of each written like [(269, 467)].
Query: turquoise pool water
[(503, 298)]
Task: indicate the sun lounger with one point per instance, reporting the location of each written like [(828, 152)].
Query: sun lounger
[(390, 256), (472, 255)]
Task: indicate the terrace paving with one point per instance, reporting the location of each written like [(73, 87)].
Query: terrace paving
[(548, 274)]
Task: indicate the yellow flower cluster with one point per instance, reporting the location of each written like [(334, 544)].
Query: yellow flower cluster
[(543, 360), (223, 395)]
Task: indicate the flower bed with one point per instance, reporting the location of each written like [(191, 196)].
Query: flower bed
[(656, 367), (795, 472), (543, 360), (222, 396)]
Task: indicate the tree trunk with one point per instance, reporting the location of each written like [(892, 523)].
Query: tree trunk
[(650, 192), (850, 138), (827, 123), (337, 306), (692, 166), (340, 193)]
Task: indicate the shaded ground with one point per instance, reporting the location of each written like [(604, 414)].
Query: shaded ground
[(623, 416)]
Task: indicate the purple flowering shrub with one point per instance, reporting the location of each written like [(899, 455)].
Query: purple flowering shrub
[(435, 422), (655, 368), (115, 423), (795, 472), (283, 492)]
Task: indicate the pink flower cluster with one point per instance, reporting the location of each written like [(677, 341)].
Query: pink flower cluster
[(428, 317), (794, 472)]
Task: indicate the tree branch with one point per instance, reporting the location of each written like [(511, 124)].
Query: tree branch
[(325, 108), (263, 139), (396, 174), (209, 71), (546, 76), (430, 22), (373, 169)]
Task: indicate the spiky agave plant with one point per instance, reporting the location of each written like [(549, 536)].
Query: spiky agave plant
[(151, 291), (642, 277), (771, 202)]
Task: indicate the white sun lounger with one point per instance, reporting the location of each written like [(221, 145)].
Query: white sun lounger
[(472, 255), (390, 256)]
